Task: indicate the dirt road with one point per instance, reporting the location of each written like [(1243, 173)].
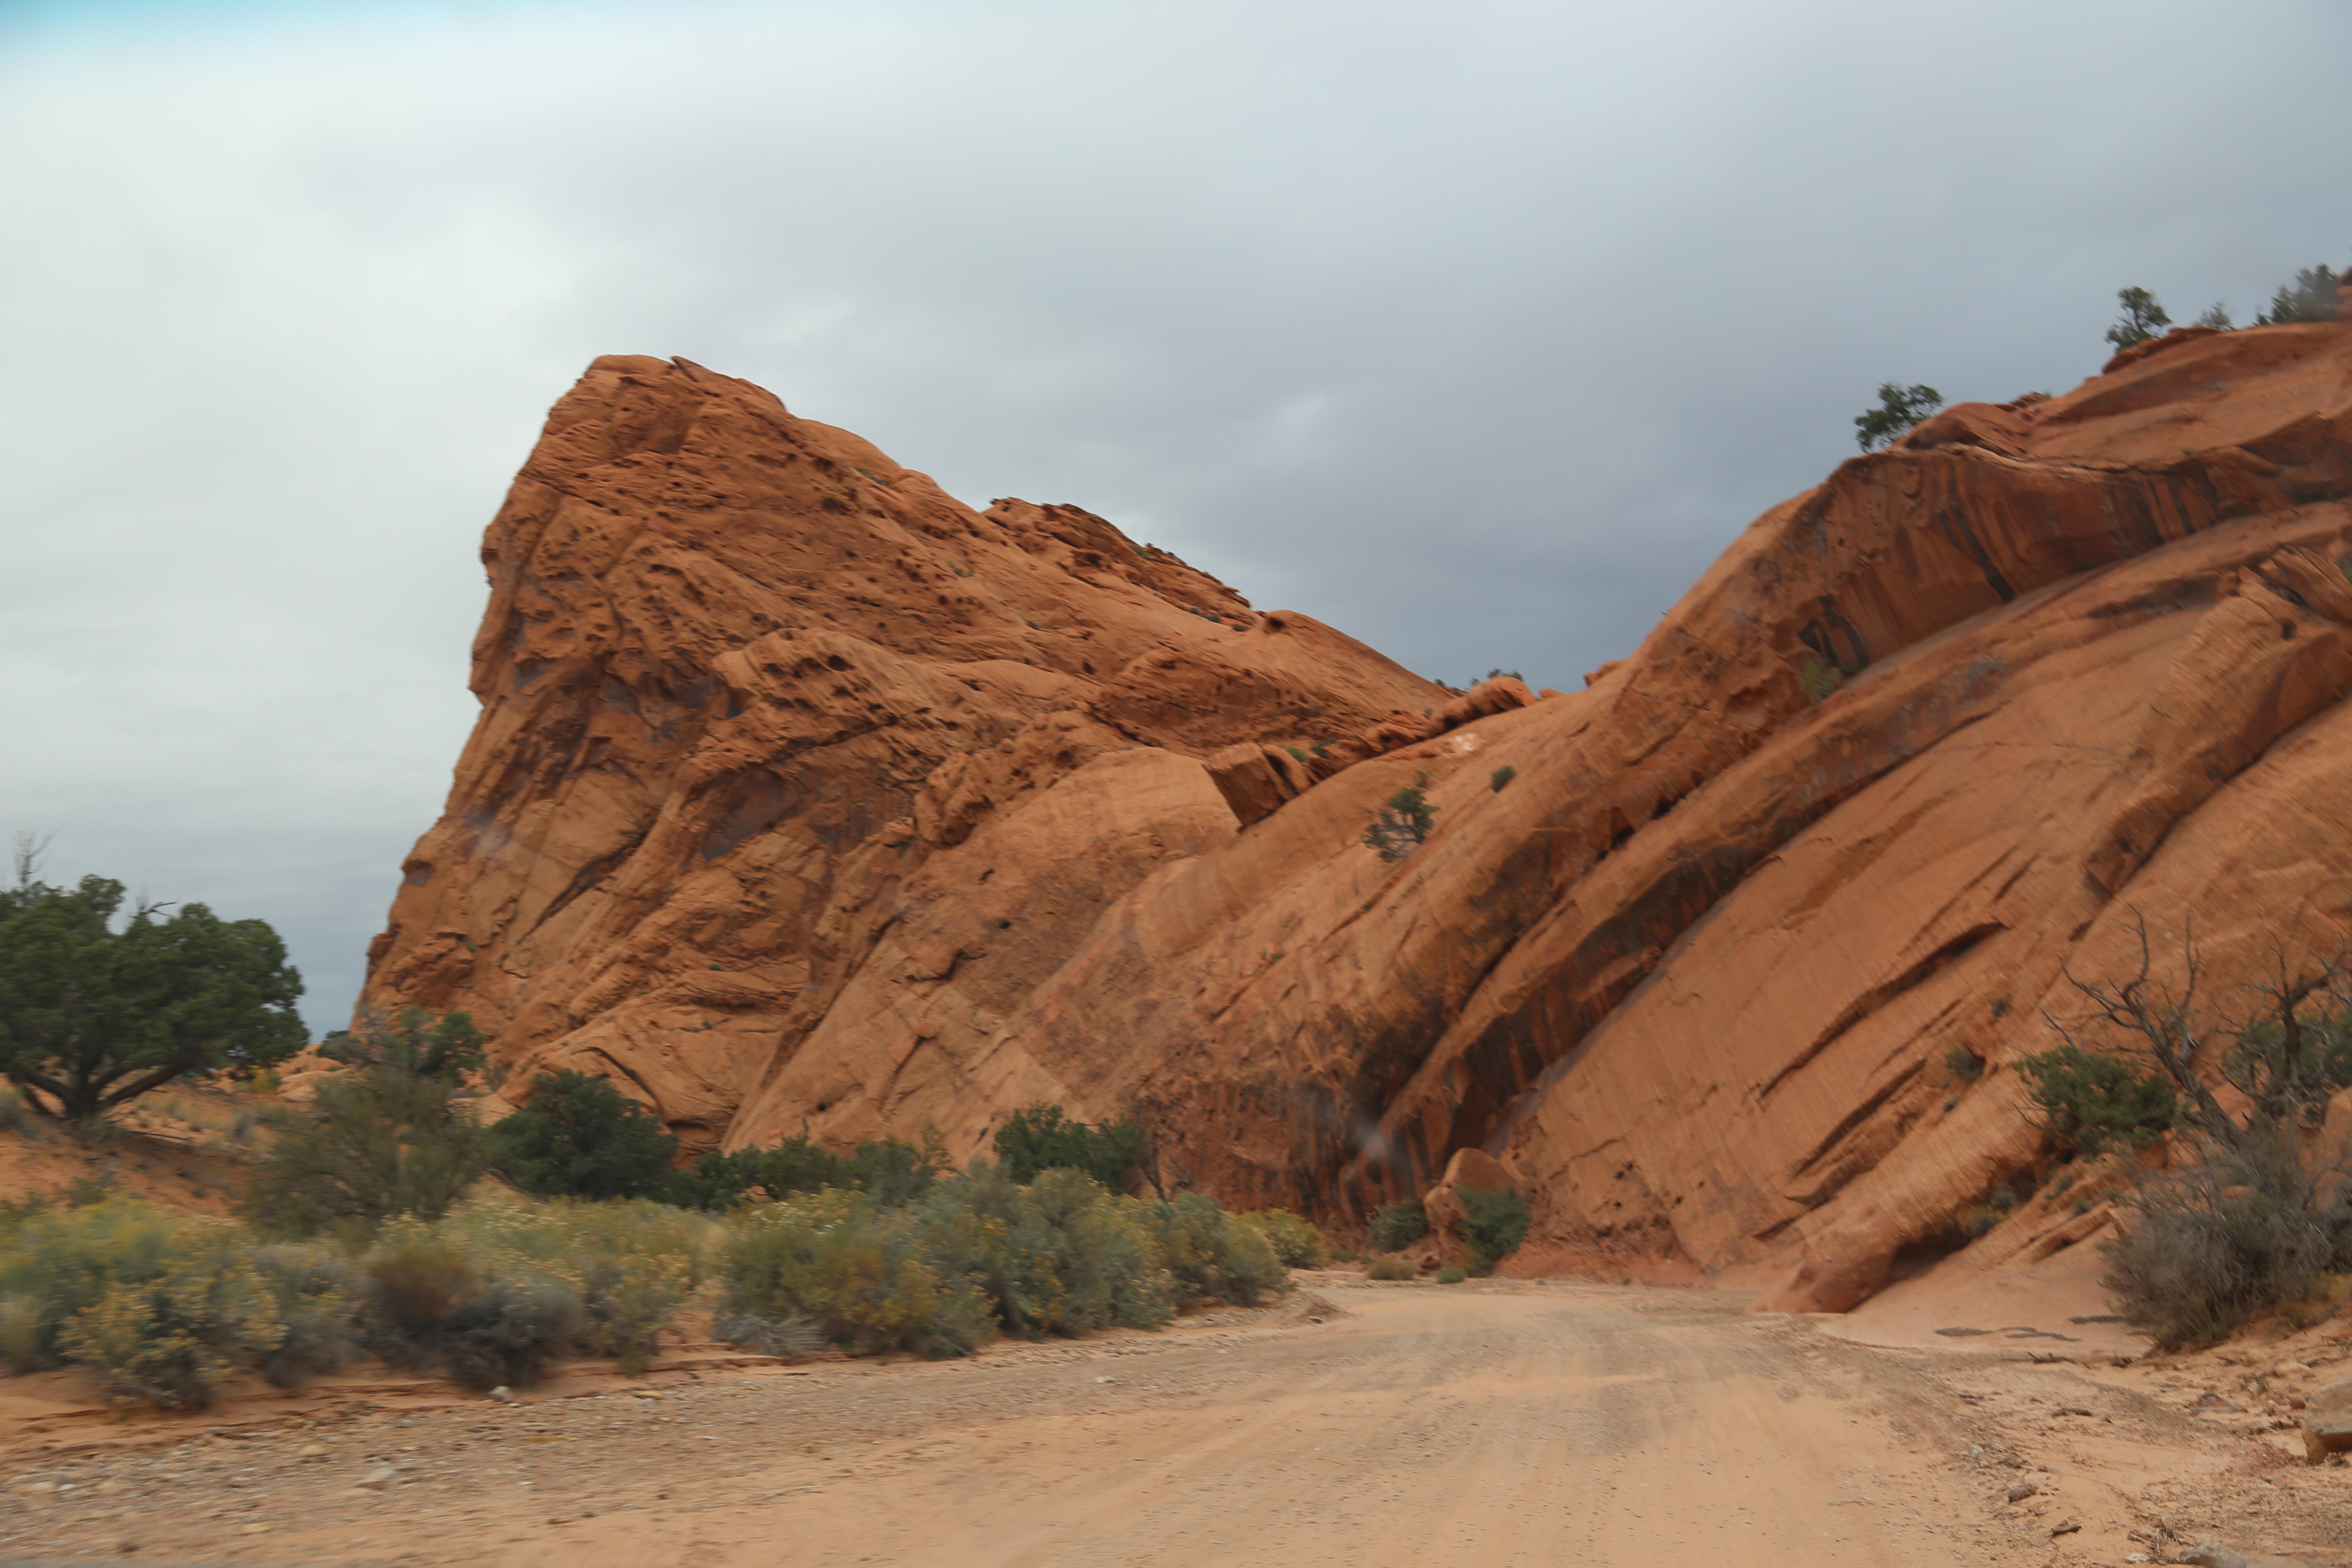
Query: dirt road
[(1495, 1424)]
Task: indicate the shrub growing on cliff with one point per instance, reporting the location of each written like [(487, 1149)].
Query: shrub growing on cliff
[(2093, 1103), (93, 1013), (2310, 297), (393, 1136), (1492, 1226), (1899, 408), (2259, 1200), (1391, 1265), (576, 1136), (1405, 824), (1039, 1138), (1394, 1227), (2143, 318)]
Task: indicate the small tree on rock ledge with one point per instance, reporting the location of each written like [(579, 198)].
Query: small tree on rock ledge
[(1405, 824), (2143, 319), (1899, 408)]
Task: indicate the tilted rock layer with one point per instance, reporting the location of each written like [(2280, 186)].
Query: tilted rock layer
[(806, 798)]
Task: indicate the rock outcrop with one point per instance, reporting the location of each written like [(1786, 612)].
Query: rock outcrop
[(805, 797), (778, 739)]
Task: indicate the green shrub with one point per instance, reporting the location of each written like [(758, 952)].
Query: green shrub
[(2216, 316), (1120, 1265), (718, 1180), (174, 1339), (1450, 1275), (2143, 318), (576, 1136), (891, 1172), (984, 1230), (1395, 1227), (1062, 1255), (856, 1269), (162, 1306), (1210, 1254), (2209, 1246), (2096, 1103), (1405, 824), (315, 1292), (794, 1165), (1492, 1226), (1501, 776), (486, 1321), (633, 1263), (391, 1137), (94, 1013), (1100, 1245), (2310, 297), (158, 1306), (1899, 408), (1963, 1064), (1039, 1138), (1392, 1266), (1296, 1243), (58, 1262), (894, 1175)]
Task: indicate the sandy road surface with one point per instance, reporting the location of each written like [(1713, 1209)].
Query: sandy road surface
[(1496, 1423)]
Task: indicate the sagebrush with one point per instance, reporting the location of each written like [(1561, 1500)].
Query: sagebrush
[(1396, 1225)]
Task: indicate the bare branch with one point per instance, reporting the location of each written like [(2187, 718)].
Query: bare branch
[(27, 852)]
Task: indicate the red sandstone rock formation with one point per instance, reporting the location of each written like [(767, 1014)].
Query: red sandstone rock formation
[(778, 739), (777, 814)]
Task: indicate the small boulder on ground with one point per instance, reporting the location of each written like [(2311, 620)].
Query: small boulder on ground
[(2327, 1420)]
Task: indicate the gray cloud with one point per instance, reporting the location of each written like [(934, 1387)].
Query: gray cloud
[(1478, 331)]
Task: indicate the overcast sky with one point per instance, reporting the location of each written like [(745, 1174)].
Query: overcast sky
[(1476, 329)]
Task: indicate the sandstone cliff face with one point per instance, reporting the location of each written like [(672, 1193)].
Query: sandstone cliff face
[(777, 814), (776, 735)]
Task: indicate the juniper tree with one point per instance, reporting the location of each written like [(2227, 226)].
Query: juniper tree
[(94, 1013)]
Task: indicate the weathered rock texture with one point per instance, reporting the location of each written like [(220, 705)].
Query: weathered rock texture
[(784, 753), (805, 797)]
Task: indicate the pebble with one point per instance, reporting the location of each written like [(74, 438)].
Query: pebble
[(375, 1480), (2023, 1490)]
